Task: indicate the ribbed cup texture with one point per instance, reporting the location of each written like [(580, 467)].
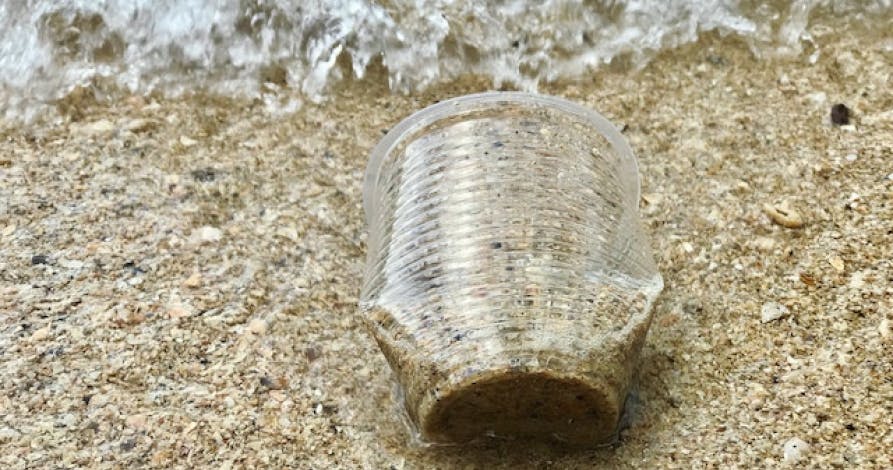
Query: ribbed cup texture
[(508, 279)]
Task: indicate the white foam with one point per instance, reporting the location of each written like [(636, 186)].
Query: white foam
[(48, 47)]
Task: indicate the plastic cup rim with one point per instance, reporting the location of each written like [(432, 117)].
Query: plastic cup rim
[(447, 108)]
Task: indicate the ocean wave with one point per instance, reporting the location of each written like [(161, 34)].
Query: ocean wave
[(254, 47)]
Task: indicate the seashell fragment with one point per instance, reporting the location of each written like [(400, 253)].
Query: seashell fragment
[(784, 215)]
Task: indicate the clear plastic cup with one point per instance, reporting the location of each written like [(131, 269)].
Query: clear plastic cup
[(508, 282)]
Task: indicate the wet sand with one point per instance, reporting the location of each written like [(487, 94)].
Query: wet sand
[(179, 278)]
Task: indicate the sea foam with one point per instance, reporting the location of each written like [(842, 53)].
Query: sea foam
[(251, 48)]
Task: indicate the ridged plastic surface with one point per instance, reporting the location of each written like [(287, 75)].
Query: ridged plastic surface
[(506, 266)]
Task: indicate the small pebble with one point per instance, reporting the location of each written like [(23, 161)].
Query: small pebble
[(837, 263), (177, 311), (847, 64), (162, 457), (7, 434), (814, 57), (206, 235), (840, 114), (784, 215), (257, 326), (41, 334), (204, 175), (795, 449), (193, 281), (68, 420), (135, 102), (127, 445), (39, 259), (764, 243), (140, 125), (71, 263), (187, 142), (808, 279), (884, 328), (857, 281), (102, 126), (772, 311), (137, 421), (133, 268), (651, 203), (311, 353), (818, 98)]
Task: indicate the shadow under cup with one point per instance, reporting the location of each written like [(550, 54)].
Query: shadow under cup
[(508, 280)]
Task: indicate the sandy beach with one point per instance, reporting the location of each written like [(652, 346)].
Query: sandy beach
[(179, 277)]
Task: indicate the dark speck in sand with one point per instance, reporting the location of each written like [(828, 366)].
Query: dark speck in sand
[(53, 353), (134, 269), (496, 245), (716, 59), (840, 114), (39, 259), (128, 445), (311, 353), (204, 175)]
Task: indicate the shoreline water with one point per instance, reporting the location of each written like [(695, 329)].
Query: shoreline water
[(285, 52), (182, 275)]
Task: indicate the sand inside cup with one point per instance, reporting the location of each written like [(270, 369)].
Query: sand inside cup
[(509, 284), (526, 404), (548, 379)]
